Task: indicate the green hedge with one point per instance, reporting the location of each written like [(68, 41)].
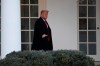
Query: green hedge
[(47, 58), (97, 65)]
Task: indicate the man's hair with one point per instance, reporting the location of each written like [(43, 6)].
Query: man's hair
[(44, 11)]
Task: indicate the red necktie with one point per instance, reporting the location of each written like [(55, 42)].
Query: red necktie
[(48, 31), (46, 23)]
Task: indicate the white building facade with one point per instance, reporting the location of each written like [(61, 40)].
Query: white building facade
[(74, 23)]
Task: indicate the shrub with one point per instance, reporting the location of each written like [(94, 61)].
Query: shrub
[(97, 65), (47, 58)]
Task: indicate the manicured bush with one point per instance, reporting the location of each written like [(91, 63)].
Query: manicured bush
[(47, 58), (72, 58), (97, 65)]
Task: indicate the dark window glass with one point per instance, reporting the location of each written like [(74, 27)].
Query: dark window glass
[(24, 1), (25, 36), (32, 34), (24, 23), (92, 2), (33, 1), (83, 24), (82, 36), (0, 23), (33, 20), (34, 11), (92, 24), (0, 36), (92, 36), (0, 49), (0, 10), (24, 11), (0, 27), (91, 11), (92, 49), (82, 1), (82, 11), (24, 47), (83, 48)]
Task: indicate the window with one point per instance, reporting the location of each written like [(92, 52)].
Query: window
[(0, 27), (30, 10), (87, 26)]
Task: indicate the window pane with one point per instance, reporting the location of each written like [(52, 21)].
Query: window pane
[(83, 24), (24, 23), (91, 11), (82, 36), (33, 20), (24, 47), (0, 23), (25, 36), (33, 1), (82, 1), (83, 47), (0, 32), (0, 49), (92, 36), (0, 36), (92, 2), (0, 10), (92, 49), (34, 11), (32, 34), (92, 24), (0, 27), (82, 11), (24, 11), (24, 1)]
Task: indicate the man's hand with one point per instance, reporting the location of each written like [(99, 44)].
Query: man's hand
[(44, 35)]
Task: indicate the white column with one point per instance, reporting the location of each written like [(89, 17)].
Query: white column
[(10, 27)]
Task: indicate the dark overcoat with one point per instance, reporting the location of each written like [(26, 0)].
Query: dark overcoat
[(40, 43)]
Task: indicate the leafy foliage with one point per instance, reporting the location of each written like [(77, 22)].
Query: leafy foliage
[(47, 58)]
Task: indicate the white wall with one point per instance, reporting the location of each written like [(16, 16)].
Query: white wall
[(63, 22)]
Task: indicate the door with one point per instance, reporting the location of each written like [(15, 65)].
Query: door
[(88, 27)]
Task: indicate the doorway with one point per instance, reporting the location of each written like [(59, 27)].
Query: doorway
[(88, 27)]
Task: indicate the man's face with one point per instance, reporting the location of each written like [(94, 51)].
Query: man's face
[(44, 15)]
